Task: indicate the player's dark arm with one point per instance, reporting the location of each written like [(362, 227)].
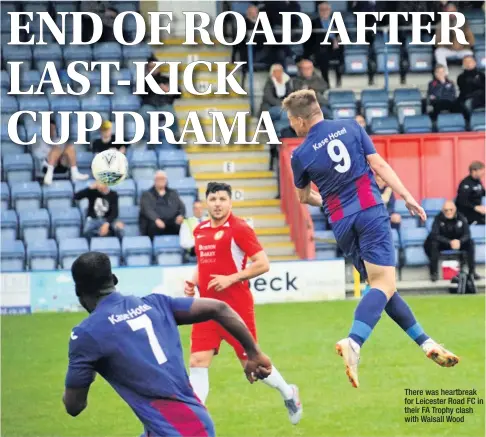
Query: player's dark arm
[(308, 196), (204, 309), (75, 400)]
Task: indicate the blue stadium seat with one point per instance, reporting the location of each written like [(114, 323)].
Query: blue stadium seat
[(477, 121), (143, 185), (10, 148), (355, 61), (4, 132), (241, 7), (26, 195), (167, 250), (65, 103), (126, 103), (413, 236), (5, 196), (29, 78), (12, 256), (65, 223), (478, 233), (126, 193), (9, 225), (9, 104), (407, 102), (420, 58), (415, 256), (140, 52), (143, 164), (409, 223), (77, 53), (107, 51), (374, 103), (84, 160), (65, 6), (320, 223), (417, 124), (308, 8), (451, 123), (121, 75), (187, 190), (16, 53), (18, 168), (429, 223), (58, 195), (342, 103), (109, 246), (34, 225), (401, 209), (392, 57), (128, 6), (42, 255), (480, 56), (70, 249), (325, 245), (137, 251), (96, 103), (4, 79), (433, 205), (81, 185), (49, 52), (33, 103), (129, 215), (174, 162), (385, 126)]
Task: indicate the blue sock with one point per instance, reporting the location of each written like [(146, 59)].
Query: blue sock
[(400, 312), (367, 314), (366, 289)]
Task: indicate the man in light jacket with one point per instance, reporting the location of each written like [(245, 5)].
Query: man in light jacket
[(187, 228)]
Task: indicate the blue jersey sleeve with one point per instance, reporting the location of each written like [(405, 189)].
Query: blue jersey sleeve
[(173, 304), (301, 178), (84, 352), (367, 144)]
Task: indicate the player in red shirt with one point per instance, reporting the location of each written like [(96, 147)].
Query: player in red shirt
[(223, 244)]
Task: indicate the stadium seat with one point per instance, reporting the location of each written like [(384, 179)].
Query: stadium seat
[(392, 56), (70, 249), (187, 190), (5, 195), (33, 103), (77, 53), (140, 52), (143, 164), (401, 209), (126, 103), (433, 205), (384, 126), (58, 195), (413, 236), (42, 255), (26, 196), (325, 245), (417, 124), (123, 6), (129, 215), (342, 103), (420, 57), (109, 246), (9, 104), (374, 104), (480, 251), (10, 148), (124, 74), (81, 185), (108, 51), (480, 56), (96, 103), (174, 163), (9, 225), (65, 6), (29, 78), (17, 53), (84, 160), (356, 59), (12, 255), (50, 52), (478, 233), (240, 7), (407, 102), (65, 223), (143, 185), (409, 223), (65, 103), (126, 193), (18, 168), (4, 79), (34, 225), (137, 251), (320, 223), (415, 256), (477, 121), (451, 123), (167, 250)]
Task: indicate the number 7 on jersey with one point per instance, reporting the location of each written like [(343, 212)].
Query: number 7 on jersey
[(144, 322)]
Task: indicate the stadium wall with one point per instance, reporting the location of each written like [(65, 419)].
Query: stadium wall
[(430, 165), (296, 281)]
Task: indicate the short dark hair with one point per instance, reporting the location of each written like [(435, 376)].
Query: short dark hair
[(92, 273), (214, 187), (476, 165)]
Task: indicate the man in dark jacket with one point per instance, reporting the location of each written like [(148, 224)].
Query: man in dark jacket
[(101, 220), (450, 231), (442, 93), (470, 194), (161, 209), (471, 85)]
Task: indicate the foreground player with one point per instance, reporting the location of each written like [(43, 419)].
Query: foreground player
[(338, 156), (223, 245), (134, 344)]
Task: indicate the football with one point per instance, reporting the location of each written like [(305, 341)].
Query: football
[(110, 167)]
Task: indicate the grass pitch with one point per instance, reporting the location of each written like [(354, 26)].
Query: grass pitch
[(300, 339)]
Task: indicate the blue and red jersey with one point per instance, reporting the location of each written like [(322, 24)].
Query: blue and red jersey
[(134, 344), (333, 156)]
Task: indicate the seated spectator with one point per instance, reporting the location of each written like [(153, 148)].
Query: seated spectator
[(361, 121), (278, 86), (56, 159), (187, 228), (450, 231), (108, 18), (442, 93), (106, 140), (470, 194), (161, 209), (471, 85), (309, 79), (389, 200), (456, 50), (101, 220)]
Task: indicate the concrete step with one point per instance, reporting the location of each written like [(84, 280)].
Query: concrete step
[(284, 258), (243, 211), (231, 165), (236, 179), (227, 107), (273, 238), (269, 223), (227, 155), (279, 248), (278, 231), (190, 54), (245, 184), (170, 41), (269, 191)]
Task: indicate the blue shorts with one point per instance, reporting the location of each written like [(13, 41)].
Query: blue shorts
[(366, 236)]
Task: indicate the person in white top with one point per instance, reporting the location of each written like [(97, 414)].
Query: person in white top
[(187, 228)]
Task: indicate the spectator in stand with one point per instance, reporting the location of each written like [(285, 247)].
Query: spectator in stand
[(106, 140), (361, 121), (101, 220), (456, 50), (450, 231), (323, 54), (471, 85), (187, 229), (161, 209), (442, 93), (389, 200), (470, 194), (309, 79), (108, 18), (56, 159)]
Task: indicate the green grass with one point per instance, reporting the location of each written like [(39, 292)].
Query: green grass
[(300, 339)]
